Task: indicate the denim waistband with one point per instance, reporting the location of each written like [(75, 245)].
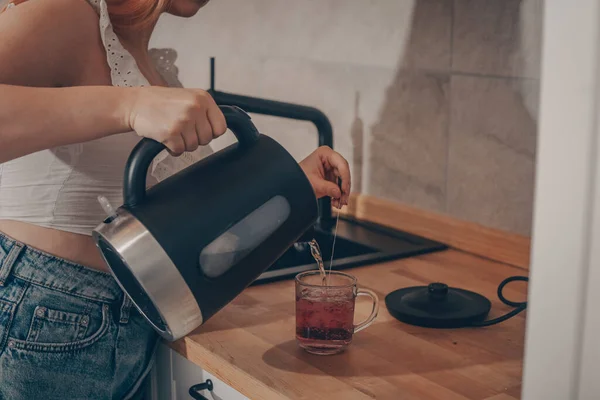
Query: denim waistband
[(37, 267)]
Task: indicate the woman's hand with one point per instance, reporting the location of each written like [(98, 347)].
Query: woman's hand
[(181, 119), (323, 168)]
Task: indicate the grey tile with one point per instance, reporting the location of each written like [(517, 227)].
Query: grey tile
[(428, 45), (406, 188), (497, 37), (503, 109), (357, 135), (409, 141), (491, 155), (530, 32)]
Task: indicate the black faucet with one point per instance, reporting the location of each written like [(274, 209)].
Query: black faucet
[(285, 110)]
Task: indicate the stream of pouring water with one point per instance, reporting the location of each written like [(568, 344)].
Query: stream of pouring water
[(316, 253), (315, 250), (337, 220)]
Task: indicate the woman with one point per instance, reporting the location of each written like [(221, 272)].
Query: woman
[(77, 91)]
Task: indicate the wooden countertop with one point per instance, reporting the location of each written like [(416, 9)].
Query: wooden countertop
[(250, 344)]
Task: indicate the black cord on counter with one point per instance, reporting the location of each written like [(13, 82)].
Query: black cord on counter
[(519, 306)]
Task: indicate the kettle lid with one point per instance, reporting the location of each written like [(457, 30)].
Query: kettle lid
[(437, 306)]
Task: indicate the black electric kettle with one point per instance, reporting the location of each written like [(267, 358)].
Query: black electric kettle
[(190, 244)]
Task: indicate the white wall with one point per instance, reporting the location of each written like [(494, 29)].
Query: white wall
[(314, 52), (433, 102)]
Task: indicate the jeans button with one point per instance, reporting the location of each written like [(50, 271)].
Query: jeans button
[(40, 311)]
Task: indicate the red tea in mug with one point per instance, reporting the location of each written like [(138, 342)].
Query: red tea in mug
[(324, 320), (325, 313)]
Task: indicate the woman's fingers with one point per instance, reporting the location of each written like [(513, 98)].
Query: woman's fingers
[(216, 119), (342, 170), (175, 145), (190, 138), (204, 131), (327, 188)]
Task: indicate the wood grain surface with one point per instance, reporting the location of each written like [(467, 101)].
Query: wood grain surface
[(473, 238), (250, 343)]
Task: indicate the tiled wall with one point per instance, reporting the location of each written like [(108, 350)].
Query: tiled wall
[(434, 102)]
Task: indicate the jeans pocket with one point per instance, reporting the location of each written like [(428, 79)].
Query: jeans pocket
[(54, 330), (55, 326)]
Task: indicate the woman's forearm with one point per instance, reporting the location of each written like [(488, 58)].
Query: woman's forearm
[(34, 119)]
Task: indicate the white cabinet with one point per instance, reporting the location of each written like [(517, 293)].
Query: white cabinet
[(173, 375)]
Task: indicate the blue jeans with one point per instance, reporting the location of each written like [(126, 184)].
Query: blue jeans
[(66, 331)]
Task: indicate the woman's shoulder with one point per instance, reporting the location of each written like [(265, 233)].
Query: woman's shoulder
[(43, 41), (63, 15)]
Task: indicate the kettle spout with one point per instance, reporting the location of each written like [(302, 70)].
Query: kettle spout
[(307, 236)]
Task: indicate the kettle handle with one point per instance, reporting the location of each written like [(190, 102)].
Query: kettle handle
[(136, 169)]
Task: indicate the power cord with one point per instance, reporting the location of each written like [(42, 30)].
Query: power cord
[(519, 306)]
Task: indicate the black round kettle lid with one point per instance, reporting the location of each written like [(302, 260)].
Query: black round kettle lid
[(437, 306)]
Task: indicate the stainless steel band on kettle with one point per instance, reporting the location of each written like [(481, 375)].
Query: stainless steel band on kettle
[(126, 238)]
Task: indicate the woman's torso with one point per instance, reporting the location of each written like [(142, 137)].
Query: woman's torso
[(48, 199)]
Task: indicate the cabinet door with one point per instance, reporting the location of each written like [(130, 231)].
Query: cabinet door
[(173, 375)]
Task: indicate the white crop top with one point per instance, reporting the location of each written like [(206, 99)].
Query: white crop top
[(59, 188)]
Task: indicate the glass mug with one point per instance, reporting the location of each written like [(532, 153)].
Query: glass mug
[(325, 314)]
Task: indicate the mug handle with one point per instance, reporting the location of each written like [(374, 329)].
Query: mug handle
[(367, 322)]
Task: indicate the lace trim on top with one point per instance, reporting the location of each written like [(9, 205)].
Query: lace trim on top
[(164, 61), (124, 71)]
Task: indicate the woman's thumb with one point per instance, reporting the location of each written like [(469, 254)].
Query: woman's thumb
[(326, 188)]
